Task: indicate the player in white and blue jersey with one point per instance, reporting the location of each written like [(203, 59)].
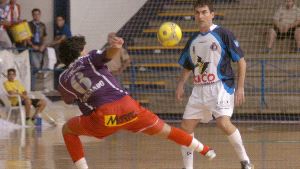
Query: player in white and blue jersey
[(208, 54)]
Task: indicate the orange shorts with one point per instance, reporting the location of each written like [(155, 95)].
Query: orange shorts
[(125, 113)]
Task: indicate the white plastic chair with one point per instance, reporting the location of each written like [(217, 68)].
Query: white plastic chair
[(10, 108)]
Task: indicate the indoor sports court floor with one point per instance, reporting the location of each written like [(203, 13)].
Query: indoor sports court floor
[(270, 146)]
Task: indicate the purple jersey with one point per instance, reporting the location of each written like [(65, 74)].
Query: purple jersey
[(88, 81)]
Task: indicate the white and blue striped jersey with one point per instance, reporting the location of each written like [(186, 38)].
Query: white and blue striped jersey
[(209, 55)]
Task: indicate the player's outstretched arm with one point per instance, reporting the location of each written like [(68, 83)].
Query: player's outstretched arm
[(180, 87), (115, 45), (239, 93)]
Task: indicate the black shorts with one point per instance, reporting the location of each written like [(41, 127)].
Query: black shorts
[(289, 34), (34, 102)]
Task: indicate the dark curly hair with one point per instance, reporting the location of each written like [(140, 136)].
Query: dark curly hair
[(70, 49)]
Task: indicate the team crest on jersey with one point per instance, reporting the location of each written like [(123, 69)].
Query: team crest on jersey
[(202, 65), (213, 46), (236, 43)]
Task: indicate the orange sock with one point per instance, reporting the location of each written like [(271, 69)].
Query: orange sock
[(74, 146), (205, 150), (180, 137)]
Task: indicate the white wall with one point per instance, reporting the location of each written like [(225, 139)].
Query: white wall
[(46, 7), (96, 18), (91, 18)]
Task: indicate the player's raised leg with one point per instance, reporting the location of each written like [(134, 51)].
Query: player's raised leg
[(180, 137)]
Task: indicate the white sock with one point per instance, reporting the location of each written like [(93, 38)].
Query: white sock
[(187, 156), (81, 164), (236, 141)]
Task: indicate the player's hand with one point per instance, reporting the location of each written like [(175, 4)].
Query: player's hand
[(117, 42), (179, 93), (239, 97), (114, 41)]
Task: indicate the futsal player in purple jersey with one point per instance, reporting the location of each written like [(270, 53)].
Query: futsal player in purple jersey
[(106, 107)]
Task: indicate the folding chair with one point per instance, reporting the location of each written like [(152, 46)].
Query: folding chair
[(10, 108)]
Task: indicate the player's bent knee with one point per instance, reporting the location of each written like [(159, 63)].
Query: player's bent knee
[(165, 131), (223, 122), (156, 129), (225, 125), (184, 126), (66, 129), (221, 125), (152, 131)]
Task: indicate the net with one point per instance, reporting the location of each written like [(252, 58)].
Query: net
[(272, 94), (271, 86)]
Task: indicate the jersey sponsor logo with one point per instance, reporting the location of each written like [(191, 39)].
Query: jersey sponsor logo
[(115, 121), (205, 78), (213, 46)]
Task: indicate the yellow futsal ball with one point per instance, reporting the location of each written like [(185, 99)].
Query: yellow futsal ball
[(169, 34)]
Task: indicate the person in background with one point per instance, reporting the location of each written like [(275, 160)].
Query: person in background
[(14, 87), (14, 13), (37, 43), (61, 32), (286, 23), (5, 41)]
